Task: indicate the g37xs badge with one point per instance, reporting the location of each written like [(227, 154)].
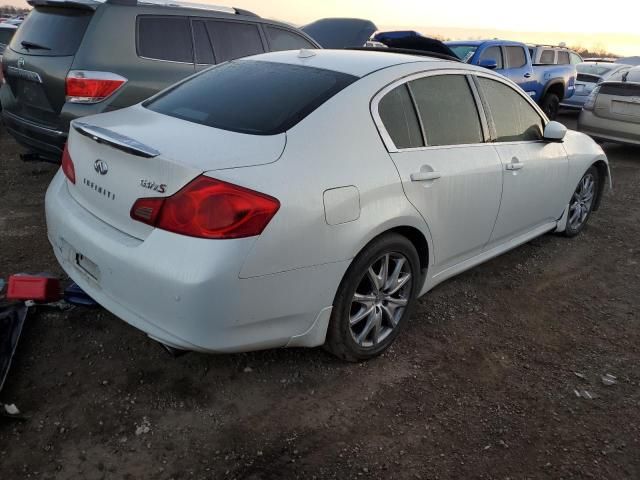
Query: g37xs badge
[(101, 167), (151, 185)]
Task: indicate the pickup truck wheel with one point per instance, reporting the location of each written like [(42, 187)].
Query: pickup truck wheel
[(550, 105)]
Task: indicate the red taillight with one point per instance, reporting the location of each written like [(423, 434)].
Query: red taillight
[(92, 87), (209, 208), (67, 165)]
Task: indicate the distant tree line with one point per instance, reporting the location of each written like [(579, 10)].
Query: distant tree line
[(11, 10), (598, 52)]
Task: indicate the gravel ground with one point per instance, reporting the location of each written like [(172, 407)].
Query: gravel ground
[(480, 385)]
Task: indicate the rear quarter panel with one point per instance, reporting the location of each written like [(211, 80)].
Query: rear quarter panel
[(337, 146)]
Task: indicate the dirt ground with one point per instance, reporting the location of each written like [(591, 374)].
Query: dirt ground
[(479, 385)]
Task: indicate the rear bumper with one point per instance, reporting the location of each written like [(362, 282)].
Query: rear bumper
[(186, 292), (39, 139), (608, 129)]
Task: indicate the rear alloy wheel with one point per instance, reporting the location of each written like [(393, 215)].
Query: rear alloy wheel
[(582, 202), (551, 105), (374, 298)]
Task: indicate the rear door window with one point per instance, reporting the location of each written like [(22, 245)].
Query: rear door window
[(516, 57), (281, 39), (252, 97), (447, 109), (513, 116), (165, 38), (493, 53), (202, 44), (563, 58), (547, 57), (400, 120), (233, 40), (52, 31)]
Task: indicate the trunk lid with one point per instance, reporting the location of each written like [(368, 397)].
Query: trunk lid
[(39, 57), (135, 153), (619, 101)]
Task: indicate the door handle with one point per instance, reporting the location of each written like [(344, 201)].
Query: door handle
[(425, 176), (527, 75), (515, 164)]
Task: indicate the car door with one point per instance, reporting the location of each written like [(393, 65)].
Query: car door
[(518, 68), (435, 134), (535, 171)]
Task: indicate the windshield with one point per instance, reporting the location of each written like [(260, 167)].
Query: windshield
[(52, 31), (464, 52), (253, 97), (594, 68)]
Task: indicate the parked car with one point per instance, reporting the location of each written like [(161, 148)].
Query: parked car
[(553, 55), (635, 61), (72, 59), (590, 74), (612, 110), (6, 33), (294, 199), (548, 85)]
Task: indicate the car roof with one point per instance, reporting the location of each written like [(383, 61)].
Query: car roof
[(358, 63), (477, 43)]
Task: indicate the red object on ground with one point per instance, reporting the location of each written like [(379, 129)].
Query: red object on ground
[(38, 289)]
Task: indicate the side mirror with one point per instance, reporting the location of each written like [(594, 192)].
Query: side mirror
[(489, 63), (554, 132)]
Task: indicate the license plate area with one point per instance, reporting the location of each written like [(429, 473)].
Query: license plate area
[(625, 108), (87, 266)]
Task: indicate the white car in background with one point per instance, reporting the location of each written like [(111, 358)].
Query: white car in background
[(590, 74), (296, 199), (612, 111)]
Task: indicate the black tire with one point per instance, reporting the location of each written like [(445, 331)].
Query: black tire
[(550, 105), (341, 334), (572, 229)]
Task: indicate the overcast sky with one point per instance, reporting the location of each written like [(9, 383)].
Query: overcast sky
[(594, 20)]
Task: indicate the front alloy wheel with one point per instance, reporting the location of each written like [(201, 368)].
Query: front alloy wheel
[(582, 202)]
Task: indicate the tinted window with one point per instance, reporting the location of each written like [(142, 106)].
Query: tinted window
[(400, 120), (233, 40), (563, 58), (516, 57), (5, 35), (547, 57), (447, 109), (246, 96), (493, 53), (58, 30), (202, 44), (280, 39), (165, 38), (514, 118)]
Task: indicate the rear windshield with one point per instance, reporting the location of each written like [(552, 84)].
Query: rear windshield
[(5, 36), (464, 52), (595, 69), (248, 96), (52, 31)]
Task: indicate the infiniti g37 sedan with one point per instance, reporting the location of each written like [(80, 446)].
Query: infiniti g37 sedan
[(298, 199)]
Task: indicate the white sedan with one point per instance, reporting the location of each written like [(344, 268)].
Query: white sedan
[(298, 199)]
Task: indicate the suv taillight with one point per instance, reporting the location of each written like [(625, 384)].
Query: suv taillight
[(208, 208), (67, 165), (92, 87)]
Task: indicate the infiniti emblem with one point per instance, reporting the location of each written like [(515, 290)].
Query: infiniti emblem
[(101, 167), (20, 62)]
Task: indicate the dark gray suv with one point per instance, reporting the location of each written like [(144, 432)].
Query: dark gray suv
[(75, 58)]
